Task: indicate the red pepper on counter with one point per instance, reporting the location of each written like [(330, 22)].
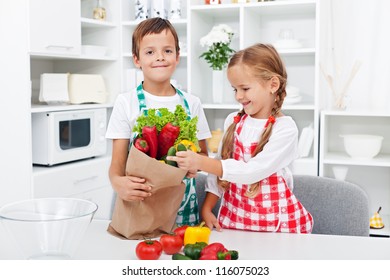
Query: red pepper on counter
[(142, 145), (149, 133), (215, 251), (167, 138)]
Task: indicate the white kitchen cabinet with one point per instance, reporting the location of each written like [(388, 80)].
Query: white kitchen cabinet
[(372, 175), (261, 22), (86, 179), (55, 27)]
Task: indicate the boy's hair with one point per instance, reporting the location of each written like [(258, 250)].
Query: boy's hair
[(264, 63), (152, 26)]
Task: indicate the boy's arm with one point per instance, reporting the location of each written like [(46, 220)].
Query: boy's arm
[(128, 188)]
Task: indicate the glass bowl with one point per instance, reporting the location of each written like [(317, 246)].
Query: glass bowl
[(47, 228)]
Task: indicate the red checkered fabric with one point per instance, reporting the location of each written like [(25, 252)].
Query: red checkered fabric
[(275, 208)]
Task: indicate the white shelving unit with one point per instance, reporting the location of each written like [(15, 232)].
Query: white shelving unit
[(261, 22), (87, 178), (372, 175)]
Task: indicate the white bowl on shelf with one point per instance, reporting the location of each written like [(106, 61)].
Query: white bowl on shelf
[(362, 146)]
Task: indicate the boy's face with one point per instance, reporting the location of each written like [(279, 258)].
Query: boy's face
[(157, 56)]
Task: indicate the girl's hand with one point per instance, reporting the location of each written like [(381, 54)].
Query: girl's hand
[(132, 188), (210, 220), (187, 160)]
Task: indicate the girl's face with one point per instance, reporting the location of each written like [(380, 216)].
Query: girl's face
[(157, 57), (257, 97)]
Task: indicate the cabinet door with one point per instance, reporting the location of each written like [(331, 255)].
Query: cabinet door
[(104, 198), (55, 27)]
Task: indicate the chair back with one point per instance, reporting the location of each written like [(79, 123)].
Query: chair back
[(337, 207)]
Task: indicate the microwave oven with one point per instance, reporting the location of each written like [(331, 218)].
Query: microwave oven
[(64, 136)]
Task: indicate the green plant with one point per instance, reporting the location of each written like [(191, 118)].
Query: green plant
[(218, 42)]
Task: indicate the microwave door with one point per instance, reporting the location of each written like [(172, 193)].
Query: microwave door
[(74, 133)]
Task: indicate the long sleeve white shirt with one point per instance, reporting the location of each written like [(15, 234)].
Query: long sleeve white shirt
[(277, 155)]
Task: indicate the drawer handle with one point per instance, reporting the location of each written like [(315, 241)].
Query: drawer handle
[(59, 47), (76, 182)]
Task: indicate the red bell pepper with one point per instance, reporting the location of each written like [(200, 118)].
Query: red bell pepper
[(215, 251), (149, 133), (167, 138), (142, 145)]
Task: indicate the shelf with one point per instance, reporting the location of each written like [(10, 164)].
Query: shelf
[(382, 160), (229, 106), (273, 7), (92, 23), (355, 114), (296, 52), (221, 106), (41, 108), (41, 170), (176, 23), (67, 57)]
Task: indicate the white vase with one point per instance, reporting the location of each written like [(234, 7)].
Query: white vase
[(217, 86)]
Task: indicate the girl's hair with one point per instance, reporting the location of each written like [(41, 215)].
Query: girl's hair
[(152, 26), (264, 63)]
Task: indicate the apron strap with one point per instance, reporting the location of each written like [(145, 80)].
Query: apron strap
[(142, 101)]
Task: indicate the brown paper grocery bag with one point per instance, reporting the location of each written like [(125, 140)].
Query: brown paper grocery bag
[(156, 214)]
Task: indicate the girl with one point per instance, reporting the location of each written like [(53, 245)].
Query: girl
[(251, 172)]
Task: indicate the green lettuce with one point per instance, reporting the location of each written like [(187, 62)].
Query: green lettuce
[(162, 116)]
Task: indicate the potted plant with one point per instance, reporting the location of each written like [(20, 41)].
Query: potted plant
[(217, 55)]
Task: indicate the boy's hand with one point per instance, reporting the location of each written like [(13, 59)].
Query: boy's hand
[(132, 188), (192, 173)]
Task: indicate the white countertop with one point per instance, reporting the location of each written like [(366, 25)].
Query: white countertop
[(98, 244)]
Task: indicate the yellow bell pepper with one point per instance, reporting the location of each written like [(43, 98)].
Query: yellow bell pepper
[(195, 234), (189, 145)]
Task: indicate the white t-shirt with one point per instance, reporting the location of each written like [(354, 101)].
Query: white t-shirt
[(126, 110), (277, 155)]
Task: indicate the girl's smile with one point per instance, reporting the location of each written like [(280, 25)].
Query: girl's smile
[(255, 96)]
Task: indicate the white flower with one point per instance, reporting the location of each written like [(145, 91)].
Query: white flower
[(217, 42), (218, 34)]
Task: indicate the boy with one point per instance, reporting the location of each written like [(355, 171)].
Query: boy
[(156, 51)]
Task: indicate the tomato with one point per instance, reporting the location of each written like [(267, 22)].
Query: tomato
[(171, 243), (148, 250), (180, 231)]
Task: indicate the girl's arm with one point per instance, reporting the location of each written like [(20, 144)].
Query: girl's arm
[(190, 160), (128, 188), (279, 152), (206, 212)]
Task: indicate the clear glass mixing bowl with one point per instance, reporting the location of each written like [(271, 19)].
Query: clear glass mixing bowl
[(48, 228)]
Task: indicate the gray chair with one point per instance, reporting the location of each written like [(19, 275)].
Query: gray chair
[(337, 207)]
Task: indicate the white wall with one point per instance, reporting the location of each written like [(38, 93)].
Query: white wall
[(351, 31), (15, 149)]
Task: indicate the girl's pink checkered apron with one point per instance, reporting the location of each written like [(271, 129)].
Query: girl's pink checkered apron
[(275, 208)]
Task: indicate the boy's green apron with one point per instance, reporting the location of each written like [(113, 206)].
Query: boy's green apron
[(188, 213)]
